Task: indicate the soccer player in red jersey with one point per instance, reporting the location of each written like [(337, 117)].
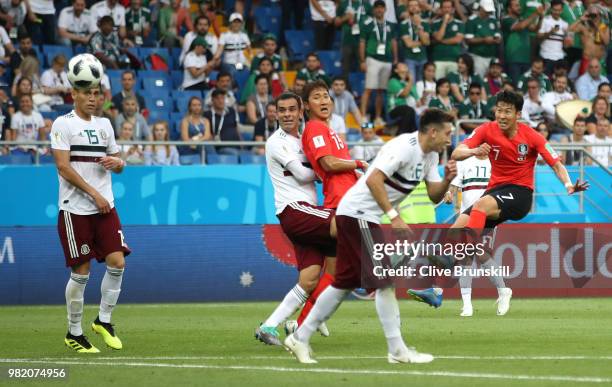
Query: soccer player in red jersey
[(513, 149), (331, 161)]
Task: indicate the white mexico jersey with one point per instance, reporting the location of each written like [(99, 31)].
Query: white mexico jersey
[(281, 149), (87, 142), (473, 176), (403, 162)]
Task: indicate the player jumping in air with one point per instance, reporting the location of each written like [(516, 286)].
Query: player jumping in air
[(85, 153), (400, 166), (307, 225), (331, 161), (513, 149)]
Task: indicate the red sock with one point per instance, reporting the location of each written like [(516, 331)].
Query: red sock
[(324, 282), (477, 220)]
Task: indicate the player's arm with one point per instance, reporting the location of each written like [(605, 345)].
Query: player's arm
[(475, 145), (376, 184), (300, 172), (552, 159), (333, 164), (113, 163), (436, 189), (65, 170)]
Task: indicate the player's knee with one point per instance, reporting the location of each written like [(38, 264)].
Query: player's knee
[(308, 284), (485, 204)]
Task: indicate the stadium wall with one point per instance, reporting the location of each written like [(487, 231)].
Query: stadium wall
[(235, 194)]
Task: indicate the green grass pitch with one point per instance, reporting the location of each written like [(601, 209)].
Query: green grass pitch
[(541, 342)]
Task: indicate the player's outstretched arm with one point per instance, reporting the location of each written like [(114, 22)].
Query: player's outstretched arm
[(562, 175), (463, 152), (335, 165), (62, 161)]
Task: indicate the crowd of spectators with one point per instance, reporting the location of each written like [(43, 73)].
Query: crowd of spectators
[(407, 55)]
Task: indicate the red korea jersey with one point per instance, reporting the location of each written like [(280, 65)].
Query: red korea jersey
[(319, 140), (512, 159)]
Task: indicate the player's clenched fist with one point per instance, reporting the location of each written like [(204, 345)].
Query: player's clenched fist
[(450, 170), (111, 163), (482, 150)]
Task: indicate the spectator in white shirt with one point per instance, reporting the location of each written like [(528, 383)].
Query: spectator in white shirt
[(132, 154), (532, 111), (323, 13), (588, 83), (367, 152), (603, 154), (196, 67), (6, 47), (551, 99), (232, 43), (26, 125), (75, 25), (337, 124), (55, 82), (13, 13), (110, 8), (552, 34), (42, 26), (202, 25)]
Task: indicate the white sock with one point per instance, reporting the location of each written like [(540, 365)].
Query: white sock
[(295, 298), (327, 303), (389, 316), (74, 302), (111, 288), (496, 280), (465, 283)]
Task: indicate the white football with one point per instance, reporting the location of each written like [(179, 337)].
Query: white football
[(85, 71)]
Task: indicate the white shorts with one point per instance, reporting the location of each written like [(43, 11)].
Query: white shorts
[(377, 74)]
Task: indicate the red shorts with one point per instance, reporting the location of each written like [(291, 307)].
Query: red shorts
[(85, 237), (354, 263), (307, 227)]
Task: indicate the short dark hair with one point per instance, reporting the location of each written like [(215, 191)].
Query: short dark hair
[(537, 59), (217, 92), (266, 59), (312, 54), (312, 86), (532, 79), (262, 76), (106, 19), (602, 85), (440, 82), (434, 117), (556, 2), (200, 18), (475, 85), (580, 119), (286, 96), (339, 78), (510, 97), (271, 103), (224, 74)]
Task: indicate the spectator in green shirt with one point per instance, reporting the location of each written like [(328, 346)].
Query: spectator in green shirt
[(448, 34), (350, 15), (573, 11), (138, 22), (495, 78), (473, 108), (269, 51), (517, 44), (536, 71), (377, 54), (312, 70), (414, 36), (400, 99), (463, 78), (483, 36), (443, 100)]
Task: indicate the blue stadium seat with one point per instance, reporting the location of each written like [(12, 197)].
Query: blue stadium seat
[(221, 159), (299, 43), (331, 62), (241, 78), (247, 136), (156, 115), (16, 159), (182, 103), (252, 159), (113, 73), (175, 54), (268, 19), (190, 160), (51, 115), (353, 137), (157, 85), (177, 78), (357, 82), (50, 51), (158, 103), (182, 93), (116, 84), (213, 75)]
